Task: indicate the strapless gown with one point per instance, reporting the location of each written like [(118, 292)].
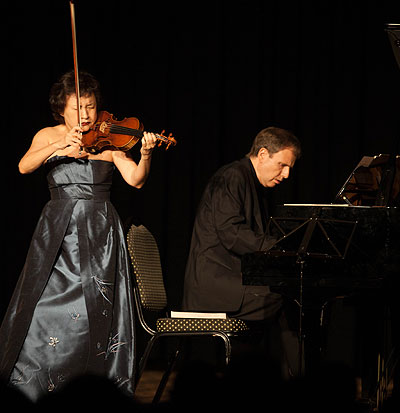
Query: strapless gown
[(71, 313)]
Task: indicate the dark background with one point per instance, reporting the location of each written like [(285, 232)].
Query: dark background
[(213, 73)]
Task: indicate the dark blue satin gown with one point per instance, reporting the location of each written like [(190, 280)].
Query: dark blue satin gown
[(72, 310)]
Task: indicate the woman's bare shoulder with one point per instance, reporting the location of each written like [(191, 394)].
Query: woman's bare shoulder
[(50, 133)]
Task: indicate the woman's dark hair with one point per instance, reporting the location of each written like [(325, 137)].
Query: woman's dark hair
[(274, 140), (65, 87)]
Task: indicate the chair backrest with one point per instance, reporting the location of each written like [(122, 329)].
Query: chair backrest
[(147, 270)]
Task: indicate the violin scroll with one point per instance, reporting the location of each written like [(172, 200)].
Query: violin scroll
[(168, 140)]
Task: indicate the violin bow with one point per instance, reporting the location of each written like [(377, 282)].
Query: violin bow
[(73, 27)]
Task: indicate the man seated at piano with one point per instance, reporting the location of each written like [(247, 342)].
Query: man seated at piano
[(231, 221)]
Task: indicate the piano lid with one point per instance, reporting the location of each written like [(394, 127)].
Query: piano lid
[(393, 31), (375, 181)]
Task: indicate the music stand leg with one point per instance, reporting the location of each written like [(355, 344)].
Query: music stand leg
[(301, 315)]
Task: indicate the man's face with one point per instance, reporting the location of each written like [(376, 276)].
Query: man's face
[(272, 170), (88, 112)]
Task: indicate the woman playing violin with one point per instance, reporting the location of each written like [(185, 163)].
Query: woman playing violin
[(71, 312), (66, 137)]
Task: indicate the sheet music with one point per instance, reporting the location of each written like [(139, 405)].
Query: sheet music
[(318, 205), (335, 205)]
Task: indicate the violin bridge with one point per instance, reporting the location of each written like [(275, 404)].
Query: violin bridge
[(103, 126)]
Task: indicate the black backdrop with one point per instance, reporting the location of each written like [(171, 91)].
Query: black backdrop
[(214, 73)]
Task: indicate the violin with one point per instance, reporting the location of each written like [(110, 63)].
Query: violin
[(110, 133)]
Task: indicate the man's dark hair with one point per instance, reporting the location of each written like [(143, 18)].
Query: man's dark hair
[(65, 87), (275, 139)]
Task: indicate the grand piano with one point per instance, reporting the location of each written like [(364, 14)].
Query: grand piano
[(349, 250)]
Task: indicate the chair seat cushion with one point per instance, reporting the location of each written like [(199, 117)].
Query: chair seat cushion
[(228, 325)]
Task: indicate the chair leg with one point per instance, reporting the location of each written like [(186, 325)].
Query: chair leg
[(143, 360), (165, 377), (172, 363), (227, 346)]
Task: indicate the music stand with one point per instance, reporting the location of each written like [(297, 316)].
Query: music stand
[(328, 246)]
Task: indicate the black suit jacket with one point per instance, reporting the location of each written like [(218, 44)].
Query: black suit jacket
[(230, 222)]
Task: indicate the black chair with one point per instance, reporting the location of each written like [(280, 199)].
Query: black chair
[(150, 296)]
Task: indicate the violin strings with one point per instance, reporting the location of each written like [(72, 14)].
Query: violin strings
[(123, 130), (129, 131)]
